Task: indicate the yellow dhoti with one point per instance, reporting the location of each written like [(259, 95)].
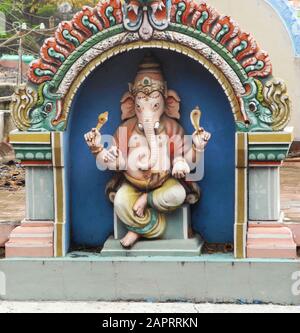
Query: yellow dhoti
[(166, 198)]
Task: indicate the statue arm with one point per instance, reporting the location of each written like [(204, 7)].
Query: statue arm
[(111, 158), (180, 167), (195, 148), (193, 156), (186, 152)]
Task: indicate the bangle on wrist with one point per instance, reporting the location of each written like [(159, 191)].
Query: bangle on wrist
[(178, 159), (97, 150), (197, 150)]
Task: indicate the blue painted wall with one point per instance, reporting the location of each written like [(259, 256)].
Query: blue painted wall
[(89, 213)]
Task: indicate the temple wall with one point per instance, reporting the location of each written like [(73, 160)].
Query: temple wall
[(268, 28)]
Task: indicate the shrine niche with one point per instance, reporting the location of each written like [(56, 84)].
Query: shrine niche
[(206, 60)]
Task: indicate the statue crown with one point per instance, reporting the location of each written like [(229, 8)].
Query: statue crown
[(149, 78), (147, 86)]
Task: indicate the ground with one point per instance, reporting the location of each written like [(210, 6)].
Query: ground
[(12, 192), (124, 307)]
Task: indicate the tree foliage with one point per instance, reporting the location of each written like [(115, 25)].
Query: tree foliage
[(34, 12), (38, 5)]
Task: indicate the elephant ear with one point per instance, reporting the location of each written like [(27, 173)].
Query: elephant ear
[(172, 104), (127, 106)]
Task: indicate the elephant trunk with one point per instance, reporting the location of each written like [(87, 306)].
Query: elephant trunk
[(153, 146)]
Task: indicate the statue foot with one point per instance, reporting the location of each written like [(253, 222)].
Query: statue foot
[(140, 205), (130, 239)]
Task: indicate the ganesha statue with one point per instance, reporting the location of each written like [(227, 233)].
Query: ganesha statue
[(151, 156)]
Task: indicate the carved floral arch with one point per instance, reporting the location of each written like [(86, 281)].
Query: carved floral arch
[(259, 102)]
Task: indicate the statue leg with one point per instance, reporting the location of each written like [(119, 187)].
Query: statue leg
[(150, 225), (170, 196)]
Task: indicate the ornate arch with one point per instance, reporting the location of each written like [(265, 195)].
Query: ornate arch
[(259, 101)]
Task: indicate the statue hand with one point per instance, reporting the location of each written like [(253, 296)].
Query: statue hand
[(180, 168), (93, 140), (111, 155), (201, 138), (110, 159)]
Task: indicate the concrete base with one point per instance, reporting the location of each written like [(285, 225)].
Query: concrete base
[(213, 278), (176, 247)]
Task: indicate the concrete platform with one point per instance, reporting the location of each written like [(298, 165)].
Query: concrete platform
[(165, 247), (213, 278)]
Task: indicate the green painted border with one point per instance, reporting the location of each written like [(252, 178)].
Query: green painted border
[(84, 47), (173, 27), (32, 152), (217, 47)]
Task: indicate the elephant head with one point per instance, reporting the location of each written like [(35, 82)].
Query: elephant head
[(148, 99), (37, 111), (267, 106), (47, 113)]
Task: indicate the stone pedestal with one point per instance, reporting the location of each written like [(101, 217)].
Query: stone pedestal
[(35, 236), (267, 236), (178, 239), (31, 239), (270, 240)]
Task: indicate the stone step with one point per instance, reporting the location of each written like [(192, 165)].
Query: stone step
[(177, 247), (32, 234), (292, 225), (14, 250), (271, 242), (30, 241), (29, 223)]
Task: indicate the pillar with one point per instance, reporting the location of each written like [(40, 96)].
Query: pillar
[(35, 236), (267, 236)]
